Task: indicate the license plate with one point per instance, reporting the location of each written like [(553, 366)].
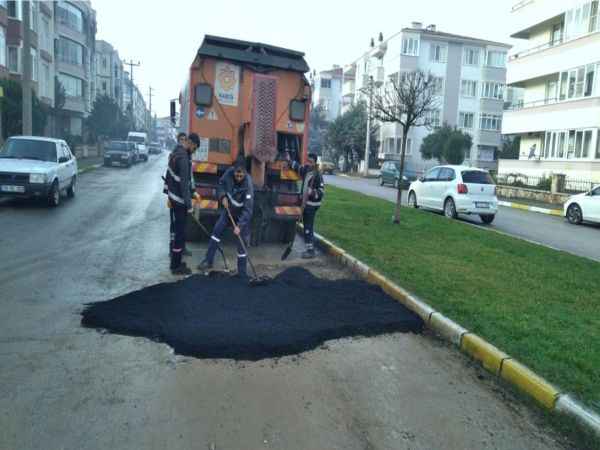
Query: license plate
[(482, 205), (19, 189)]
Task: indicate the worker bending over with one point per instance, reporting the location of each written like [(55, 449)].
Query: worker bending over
[(236, 194), (313, 189)]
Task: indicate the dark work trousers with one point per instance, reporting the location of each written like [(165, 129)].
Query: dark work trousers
[(308, 218), (222, 224), (179, 219), (171, 230)]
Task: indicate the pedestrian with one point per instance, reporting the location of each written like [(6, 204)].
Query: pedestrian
[(181, 140), (236, 193), (313, 190), (180, 198)]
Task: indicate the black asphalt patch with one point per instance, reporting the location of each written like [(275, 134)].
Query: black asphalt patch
[(224, 318)]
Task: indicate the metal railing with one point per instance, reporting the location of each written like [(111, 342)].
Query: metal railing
[(523, 105), (537, 48), (541, 183), (520, 5)]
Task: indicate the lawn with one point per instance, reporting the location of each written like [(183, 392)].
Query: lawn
[(539, 305)]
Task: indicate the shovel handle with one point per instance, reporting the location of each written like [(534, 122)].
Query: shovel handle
[(241, 241)]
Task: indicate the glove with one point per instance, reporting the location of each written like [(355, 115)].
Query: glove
[(169, 205)]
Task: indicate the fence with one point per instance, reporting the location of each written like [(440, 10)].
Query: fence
[(566, 186)]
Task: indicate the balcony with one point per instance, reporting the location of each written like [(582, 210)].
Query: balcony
[(528, 14), (349, 88)]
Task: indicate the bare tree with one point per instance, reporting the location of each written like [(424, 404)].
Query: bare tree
[(408, 98)]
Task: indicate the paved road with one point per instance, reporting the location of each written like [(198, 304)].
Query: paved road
[(63, 386), (547, 230)]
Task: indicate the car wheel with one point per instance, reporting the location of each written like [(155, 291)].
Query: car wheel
[(54, 195), (71, 189), (574, 215), (450, 209), (487, 218), (381, 183), (412, 200)]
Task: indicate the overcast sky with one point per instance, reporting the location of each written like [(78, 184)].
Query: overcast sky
[(164, 35)]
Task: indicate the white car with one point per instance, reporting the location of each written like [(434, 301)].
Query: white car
[(456, 190), (583, 207), (32, 166)]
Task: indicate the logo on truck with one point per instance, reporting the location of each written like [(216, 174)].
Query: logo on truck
[(227, 83)]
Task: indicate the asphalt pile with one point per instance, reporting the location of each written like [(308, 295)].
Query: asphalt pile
[(223, 318)]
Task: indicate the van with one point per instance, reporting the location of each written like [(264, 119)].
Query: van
[(141, 141)]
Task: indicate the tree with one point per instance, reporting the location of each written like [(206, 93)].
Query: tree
[(12, 115), (106, 119), (346, 136), (511, 147), (447, 145), (408, 99), (318, 128)]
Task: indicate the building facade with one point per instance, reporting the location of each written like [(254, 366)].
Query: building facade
[(109, 73), (558, 68), (133, 98), (470, 81), (327, 92)]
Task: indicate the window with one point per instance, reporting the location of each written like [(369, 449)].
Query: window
[(69, 16), (446, 174), (438, 86), (389, 145), (569, 144), (45, 80), (438, 53), (578, 82), (477, 177), (589, 80), (434, 118), (495, 58), (14, 9), (466, 120), (432, 175), (325, 83), (490, 122), (104, 62), (33, 17), (492, 90), (581, 20), (408, 147), (73, 86), (34, 64), (486, 153), (45, 43), (2, 47), (410, 46), (468, 88), (471, 56), (104, 86), (69, 52), (13, 59), (324, 104), (587, 144)]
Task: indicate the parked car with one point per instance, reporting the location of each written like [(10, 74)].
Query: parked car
[(456, 190), (583, 207), (327, 167), (154, 148), (390, 174), (120, 153), (39, 167)]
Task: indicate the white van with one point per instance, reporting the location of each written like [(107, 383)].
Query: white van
[(141, 142)]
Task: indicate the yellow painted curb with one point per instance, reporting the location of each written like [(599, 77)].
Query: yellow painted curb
[(483, 351), (519, 375)]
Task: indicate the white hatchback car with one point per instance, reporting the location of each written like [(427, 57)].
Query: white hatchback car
[(583, 207), (456, 190)]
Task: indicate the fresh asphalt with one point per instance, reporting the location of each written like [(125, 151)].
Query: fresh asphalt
[(70, 387), (551, 231)]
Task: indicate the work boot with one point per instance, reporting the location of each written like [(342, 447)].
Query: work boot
[(204, 266), (309, 253), (182, 269)]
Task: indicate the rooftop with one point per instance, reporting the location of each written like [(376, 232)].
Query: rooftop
[(456, 37)]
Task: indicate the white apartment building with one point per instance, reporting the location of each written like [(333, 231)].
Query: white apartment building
[(327, 92), (109, 72), (558, 67), (471, 82)]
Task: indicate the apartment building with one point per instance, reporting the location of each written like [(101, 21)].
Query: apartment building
[(133, 98), (3, 35), (470, 81), (109, 73), (75, 38), (558, 65), (327, 92)]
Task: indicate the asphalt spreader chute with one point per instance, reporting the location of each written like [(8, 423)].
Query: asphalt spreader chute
[(221, 318)]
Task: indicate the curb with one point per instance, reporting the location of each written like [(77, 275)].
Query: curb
[(89, 168), (552, 212), (493, 359)]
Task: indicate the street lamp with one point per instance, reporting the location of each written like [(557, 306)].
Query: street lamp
[(377, 52)]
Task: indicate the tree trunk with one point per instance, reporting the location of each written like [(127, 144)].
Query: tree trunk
[(399, 196)]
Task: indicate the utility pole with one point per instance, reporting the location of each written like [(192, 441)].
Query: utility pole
[(368, 140), (26, 61), (131, 65), (151, 124)]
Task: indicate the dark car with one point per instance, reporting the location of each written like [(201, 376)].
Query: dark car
[(390, 174), (120, 153)]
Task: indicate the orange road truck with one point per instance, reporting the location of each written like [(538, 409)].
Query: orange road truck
[(249, 100)]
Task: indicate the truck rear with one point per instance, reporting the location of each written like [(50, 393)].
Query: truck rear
[(249, 100)]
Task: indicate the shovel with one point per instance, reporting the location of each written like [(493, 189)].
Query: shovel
[(257, 280), (203, 228)]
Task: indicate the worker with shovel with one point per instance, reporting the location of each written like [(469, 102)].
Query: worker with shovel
[(236, 195)]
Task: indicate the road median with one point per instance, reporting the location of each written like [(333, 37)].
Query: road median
[(526, 312)]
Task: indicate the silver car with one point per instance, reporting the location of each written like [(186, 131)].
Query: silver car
[(39, 167)]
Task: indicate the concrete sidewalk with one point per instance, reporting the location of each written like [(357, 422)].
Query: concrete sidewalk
[(90, 163)]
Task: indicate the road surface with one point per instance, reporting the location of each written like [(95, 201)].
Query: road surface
[(64, 386), (544, 229)]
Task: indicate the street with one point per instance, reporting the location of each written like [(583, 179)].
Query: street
[(547, 230), (68, 387)]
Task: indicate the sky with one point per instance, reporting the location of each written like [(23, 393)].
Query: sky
[(165, 35)]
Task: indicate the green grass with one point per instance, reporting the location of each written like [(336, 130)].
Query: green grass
[(539, 305)]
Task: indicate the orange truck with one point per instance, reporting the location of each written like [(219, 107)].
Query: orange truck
[(250, 100)]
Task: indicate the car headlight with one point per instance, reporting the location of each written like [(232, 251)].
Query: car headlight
[(37, 178)]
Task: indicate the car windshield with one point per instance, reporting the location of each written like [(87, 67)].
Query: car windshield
[(477, 177), (137, 139), (119, 146), (29, 149)]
